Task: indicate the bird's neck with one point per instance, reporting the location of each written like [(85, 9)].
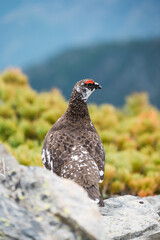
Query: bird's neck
[(77, 108)]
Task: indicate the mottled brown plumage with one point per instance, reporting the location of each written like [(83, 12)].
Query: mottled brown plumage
[(72, 147)]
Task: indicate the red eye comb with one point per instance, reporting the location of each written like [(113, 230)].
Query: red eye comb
[(89, 81)]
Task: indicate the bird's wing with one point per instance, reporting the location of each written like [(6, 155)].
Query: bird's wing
[(100, 161), (56, 149), (96, 150), (82, 169), (59, 147)]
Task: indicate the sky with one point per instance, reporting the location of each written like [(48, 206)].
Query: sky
[(34, 30)]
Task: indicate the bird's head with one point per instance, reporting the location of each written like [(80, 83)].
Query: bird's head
[(86, 87)]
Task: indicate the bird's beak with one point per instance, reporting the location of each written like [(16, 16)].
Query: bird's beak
[(97, 86)]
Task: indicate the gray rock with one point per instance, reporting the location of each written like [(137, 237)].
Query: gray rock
[(16, 222), (36, 204), (129, 217), (155, 201), (10, 161)]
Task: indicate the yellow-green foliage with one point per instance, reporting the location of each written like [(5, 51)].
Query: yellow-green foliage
[(131, 135)]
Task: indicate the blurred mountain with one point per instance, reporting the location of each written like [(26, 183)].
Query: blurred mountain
[(31, 30), (121, 68)]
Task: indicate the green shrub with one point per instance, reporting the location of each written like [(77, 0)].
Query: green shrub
[(7, 129), (14, 76), (16, 139), (117, 187), (136, 103), (41, 127), (131, 135), (6, 111)]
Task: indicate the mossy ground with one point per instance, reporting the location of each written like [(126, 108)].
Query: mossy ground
[(130, 135)]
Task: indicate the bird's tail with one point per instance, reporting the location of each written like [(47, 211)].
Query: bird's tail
[(94, 194)]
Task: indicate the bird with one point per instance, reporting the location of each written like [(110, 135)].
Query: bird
[(72, 147)]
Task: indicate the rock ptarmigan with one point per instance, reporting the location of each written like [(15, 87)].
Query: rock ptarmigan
[(72, 147)]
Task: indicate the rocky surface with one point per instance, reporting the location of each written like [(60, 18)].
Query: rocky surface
[(155, 201), (36, 204), (129, 217)]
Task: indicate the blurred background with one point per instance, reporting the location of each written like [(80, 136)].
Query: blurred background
[(57, 43), (47, 46)]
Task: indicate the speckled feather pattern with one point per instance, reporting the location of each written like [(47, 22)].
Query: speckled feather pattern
[(72, 147)]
